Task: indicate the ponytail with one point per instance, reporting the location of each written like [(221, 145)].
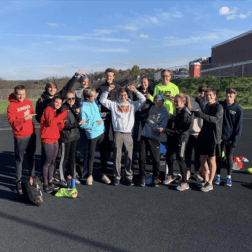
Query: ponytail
[(185, 99)]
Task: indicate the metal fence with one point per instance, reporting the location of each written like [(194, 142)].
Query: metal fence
[(30, 93)]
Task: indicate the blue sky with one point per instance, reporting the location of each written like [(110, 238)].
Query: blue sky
[(40, 39)]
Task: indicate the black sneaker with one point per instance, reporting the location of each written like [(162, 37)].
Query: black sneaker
[(130, 182), (155, 183), (47, 189), (53, 187), (56, 178), (142, 181), (20, 189), (116, 182)]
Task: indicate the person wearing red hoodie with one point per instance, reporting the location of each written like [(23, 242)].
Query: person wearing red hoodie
[(51, 123), (20, 113)]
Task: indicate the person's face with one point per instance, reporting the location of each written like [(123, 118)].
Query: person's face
[(52, 90), (110, 77), (145, 83), (158, 103), (166, 77), (21, 95), (201, 94), (57, 103), (123, 97), (92, 97), (85, 83), (70, 99), (179, 103), (211, 97), (230, 98)]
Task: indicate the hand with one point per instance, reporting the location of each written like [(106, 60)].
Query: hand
[(197, 99), (79, 73), (29, 117), (172, 97), (132, 88), (99, 122), (147, 96), (160, 129), (111, 87), (77, 111), (82, 121)]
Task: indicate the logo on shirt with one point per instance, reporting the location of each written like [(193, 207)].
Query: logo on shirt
[(154, 116), (24, 108), (123, 108), (165, 94), (232, 112)]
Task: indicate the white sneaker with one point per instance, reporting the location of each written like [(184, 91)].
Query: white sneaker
[(197, 177), (105, 179)]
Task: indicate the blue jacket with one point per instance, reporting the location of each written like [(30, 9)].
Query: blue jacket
[(90, 113), (232, 122)]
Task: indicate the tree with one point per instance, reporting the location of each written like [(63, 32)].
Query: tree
[(135, 70)]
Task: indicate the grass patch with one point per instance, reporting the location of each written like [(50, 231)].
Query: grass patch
[(5, 103)]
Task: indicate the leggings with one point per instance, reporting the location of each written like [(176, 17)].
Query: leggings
[(229, 156), (51, 151), (174, 145)]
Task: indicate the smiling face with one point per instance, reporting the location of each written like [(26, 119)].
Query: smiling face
[(70, 99), (52, 90), (57, 103), (123, 96), (166, 77), (179, 103), (85, 83), (21, 93), (145, 83), (110, 77), (211, 97)]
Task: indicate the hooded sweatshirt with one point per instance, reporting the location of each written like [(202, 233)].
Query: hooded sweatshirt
[(51, 124), (16, 112), (123, 114)]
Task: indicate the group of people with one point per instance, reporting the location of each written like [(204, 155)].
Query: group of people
[(81, 120)]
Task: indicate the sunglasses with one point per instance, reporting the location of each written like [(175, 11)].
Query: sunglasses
[(71, 98)]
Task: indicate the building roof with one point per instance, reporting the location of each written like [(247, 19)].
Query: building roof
[(234, 38)]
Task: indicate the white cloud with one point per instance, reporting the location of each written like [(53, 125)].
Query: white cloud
[(144, 36), (111, 50), (127, 27), (53, 24), (227, 11), (232, 14), (99, 32)]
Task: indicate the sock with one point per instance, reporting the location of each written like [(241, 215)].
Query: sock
[(229, 176)]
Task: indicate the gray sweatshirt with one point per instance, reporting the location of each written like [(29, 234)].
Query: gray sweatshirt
[(123, 114), (157, 118)]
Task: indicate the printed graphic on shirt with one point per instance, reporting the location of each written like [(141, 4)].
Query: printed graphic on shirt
[(27, 112), (165, 94), (154, 116), (23, 108), (123, 108), (232, 112)]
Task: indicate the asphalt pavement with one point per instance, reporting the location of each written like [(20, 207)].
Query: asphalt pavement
[(109, 218)]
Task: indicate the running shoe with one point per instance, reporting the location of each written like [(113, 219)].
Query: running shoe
[(217, 180), (90, 180), (155, 182), (203, 183), (142, 181), (105, 179), (169, 179), (130, 182), (63, 183), (182, 187), (197, 177), (228, 182), (77, 181), (53, 186), (116, 182), (207, 187), (47, 189)]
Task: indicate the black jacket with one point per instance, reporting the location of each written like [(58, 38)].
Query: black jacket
[(45, 99), (71, 130), (182, 121), (212, 123)]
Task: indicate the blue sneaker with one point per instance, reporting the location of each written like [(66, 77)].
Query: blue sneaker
[(182, 187), (228, 182), (217, 180)]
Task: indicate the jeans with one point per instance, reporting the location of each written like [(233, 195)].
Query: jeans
[(22, 145), (82, 147)]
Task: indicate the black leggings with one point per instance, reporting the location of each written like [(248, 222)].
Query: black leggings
[(100, 140), (174, 145), (229, 156)]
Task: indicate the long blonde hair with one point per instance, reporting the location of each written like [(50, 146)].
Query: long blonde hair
[(185, 99)]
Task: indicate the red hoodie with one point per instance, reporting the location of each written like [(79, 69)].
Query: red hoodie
[(16, 112), (51, 124)]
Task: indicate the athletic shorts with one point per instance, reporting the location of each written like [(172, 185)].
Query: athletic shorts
[(209, 150)]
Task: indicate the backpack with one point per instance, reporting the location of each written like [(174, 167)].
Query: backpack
[(32, 192)]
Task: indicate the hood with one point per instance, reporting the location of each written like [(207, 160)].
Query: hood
[(45, 95), (12, 98)]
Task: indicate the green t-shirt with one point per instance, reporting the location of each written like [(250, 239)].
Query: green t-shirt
[(171, 89)]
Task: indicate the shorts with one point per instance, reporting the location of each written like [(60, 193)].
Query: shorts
[(209, 150)]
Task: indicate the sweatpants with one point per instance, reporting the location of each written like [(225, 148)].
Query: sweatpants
[(82, 147), (68, 150), (51, 151), (100, 141), (121, 139), (107, 125), (193, 143), (174, 145), (153, 145), (22, 145), (229, 156)]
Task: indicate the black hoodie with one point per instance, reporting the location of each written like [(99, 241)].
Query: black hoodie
[(45, 99)]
